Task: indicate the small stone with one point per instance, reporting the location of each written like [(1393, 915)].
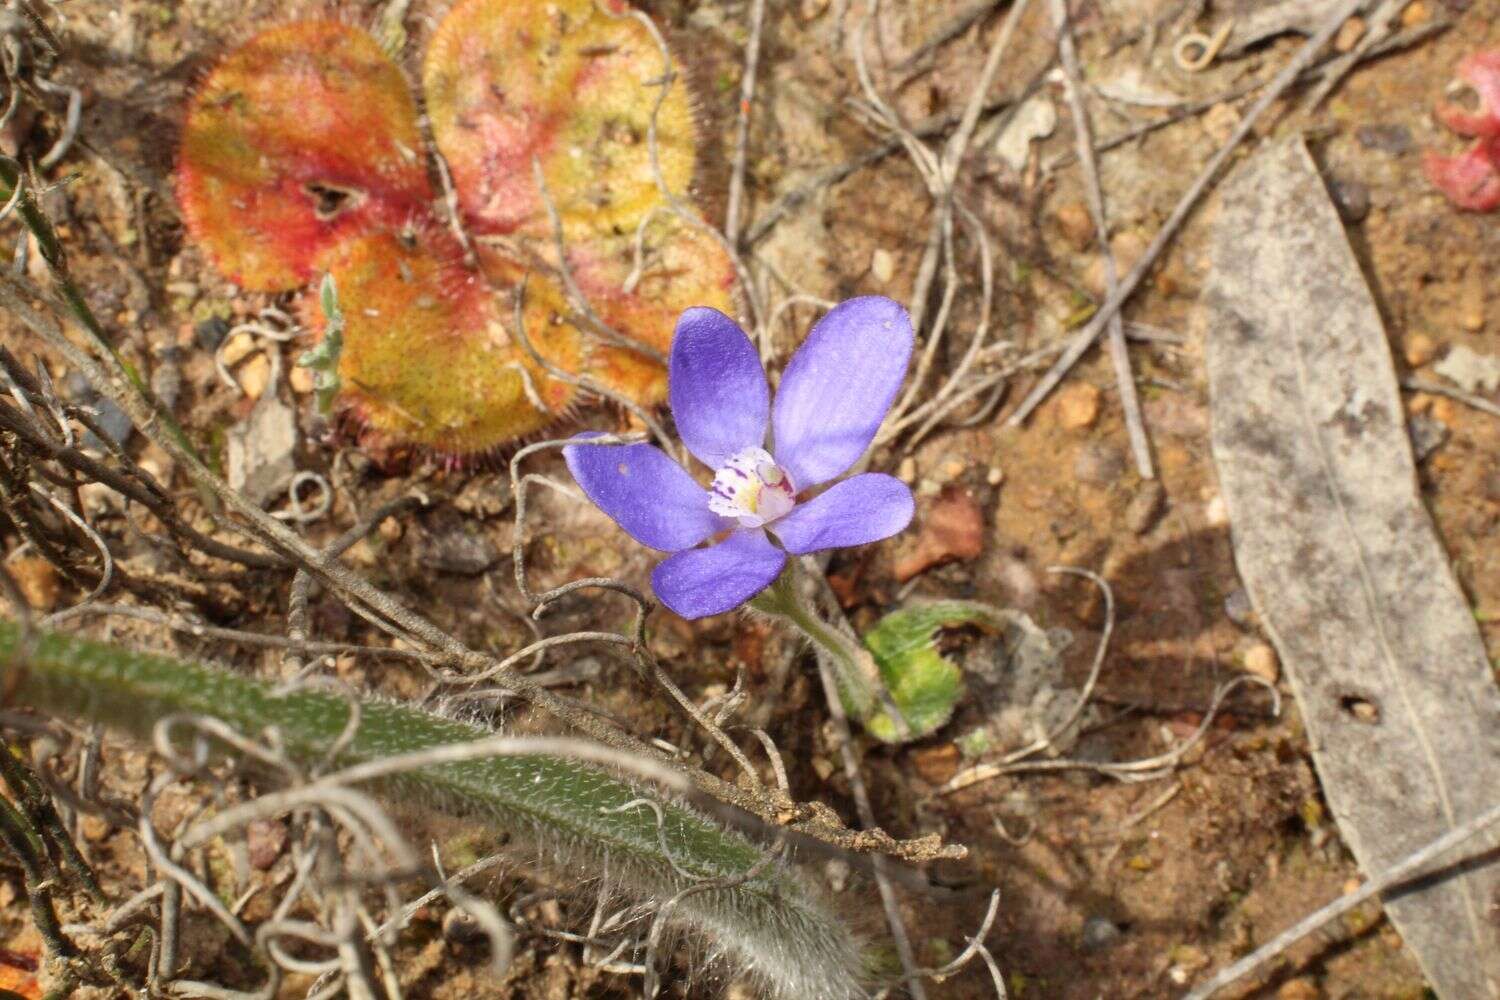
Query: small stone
[(237, 349), (259, 451), (1215, 512), (1420, 349), (952, 469), (1146, 507), (1352, 199), (1470, 370), (1078, 406), (37, 579), (935, 765), (265, 839), (460, 928), (166, 376), (1445, 411), (458, 549), (1301, 988), (1076, 224), (907, 470), (301, 380), (882, 266), (1099, 463), (210, 333), (1427, 435), (390, 530), (822, 767), (1415, 13), (1238, 609), (1350, 32), (255, 376), (995, 476), (1220, 121), (1018, 583), (1099, 933), (1034, 119), (93, 828), (1261, 661), (1393, 139)]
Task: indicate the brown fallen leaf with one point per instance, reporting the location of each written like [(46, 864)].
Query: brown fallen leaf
[(952, 528)]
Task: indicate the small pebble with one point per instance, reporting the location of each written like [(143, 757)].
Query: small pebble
[(1350, 32), (1146, 507), (995, 476), (301, 380), (1216, 513), (883, 266), (1301, 988), (1393, 139), (211, 332), (1415, 13), (265, 839), (1099, 933), (237, 349), (1078, 405), (1427, 435), (1352, 200), (1420, 349), (460, 928), (1238, 609), (1076, 224), (1099, 463), (1261, 661), (907, 470), (37, 580), (255, 376)]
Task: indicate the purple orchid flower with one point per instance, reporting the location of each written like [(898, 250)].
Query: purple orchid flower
[(833, 395)]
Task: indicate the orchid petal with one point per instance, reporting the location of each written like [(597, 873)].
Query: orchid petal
[(702, 582), (838, 386), (717, 387), (645, 492), (863, 508)]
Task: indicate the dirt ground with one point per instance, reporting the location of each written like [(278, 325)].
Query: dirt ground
[(1107, 889)]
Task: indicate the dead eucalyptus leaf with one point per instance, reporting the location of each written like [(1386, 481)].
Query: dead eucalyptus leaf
[(1342, 561)]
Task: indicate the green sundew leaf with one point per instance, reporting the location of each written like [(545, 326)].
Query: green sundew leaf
[(923, 683), (323, 359)]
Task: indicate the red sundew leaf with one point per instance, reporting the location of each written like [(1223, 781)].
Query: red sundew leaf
[(428, 359), (1480, 70), (566, 84), (1471, 180), (304, 135)]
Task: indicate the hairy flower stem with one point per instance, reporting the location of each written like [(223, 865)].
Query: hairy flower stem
[(854, 670), (745, 906)]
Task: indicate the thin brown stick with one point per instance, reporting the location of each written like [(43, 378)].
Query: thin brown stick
[(1130, 402)]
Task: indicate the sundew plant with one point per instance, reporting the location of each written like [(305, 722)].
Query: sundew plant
[(554, 162)]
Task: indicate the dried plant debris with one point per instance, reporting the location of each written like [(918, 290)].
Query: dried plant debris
[(1340, 556), (571, 145)]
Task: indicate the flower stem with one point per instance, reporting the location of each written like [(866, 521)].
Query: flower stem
[(854, 670)]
